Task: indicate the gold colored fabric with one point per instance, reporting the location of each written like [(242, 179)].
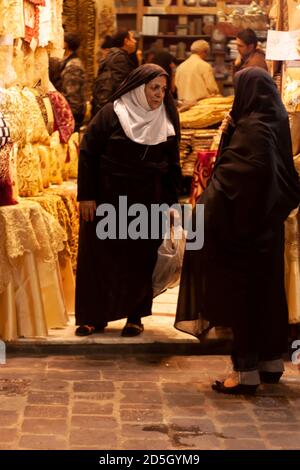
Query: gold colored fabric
[(36, 130), (68, 284), (105, 25), (7, 72), (292, 260), (44, 155), (55, 160), (64, 164), (18, 65), (293, 15), (33, 301), (73, 154), (56, 46), (60, 202), (12, 18), (12, 107), (69, 218), (295, 131), (292, 265), (26, 227), (29, 173), (13, 171), (54, 205)]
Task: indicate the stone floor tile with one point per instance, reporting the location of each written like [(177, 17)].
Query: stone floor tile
[(45, 442), (92, 408), (46, 411)]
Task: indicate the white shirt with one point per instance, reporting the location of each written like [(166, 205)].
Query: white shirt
[(195, 80)]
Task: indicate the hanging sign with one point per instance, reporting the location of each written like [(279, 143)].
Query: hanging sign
[(283, 45)]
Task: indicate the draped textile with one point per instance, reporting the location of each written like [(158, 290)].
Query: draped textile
[(237, 279), (26, 227)]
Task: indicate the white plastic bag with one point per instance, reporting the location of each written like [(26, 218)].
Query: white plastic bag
[(168, 266)]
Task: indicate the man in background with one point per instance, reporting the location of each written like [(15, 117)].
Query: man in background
[(194, 78), (72, 83), (250, 55), (114, 68)]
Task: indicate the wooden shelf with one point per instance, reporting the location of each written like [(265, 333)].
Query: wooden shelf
[(126, 11), (173, 10), (176, 36)]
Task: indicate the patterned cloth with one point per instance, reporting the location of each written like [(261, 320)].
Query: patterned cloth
[(6, 185), (202, 173), (4, 131), (63, 117)]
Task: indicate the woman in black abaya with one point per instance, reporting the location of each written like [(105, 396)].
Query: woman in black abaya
[(129, 149), (237, 279)]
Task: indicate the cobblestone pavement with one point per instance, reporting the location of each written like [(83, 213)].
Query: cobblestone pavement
[(140, 402)]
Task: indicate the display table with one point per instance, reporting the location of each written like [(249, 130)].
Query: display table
[(32, 297)]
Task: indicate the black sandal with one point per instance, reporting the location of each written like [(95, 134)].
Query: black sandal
[(132, 329), (86, 330), (239, 389)]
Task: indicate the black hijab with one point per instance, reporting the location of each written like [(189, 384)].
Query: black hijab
[(255, 171), (144, 74)]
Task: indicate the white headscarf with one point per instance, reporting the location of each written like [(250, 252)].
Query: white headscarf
[(141, 123)]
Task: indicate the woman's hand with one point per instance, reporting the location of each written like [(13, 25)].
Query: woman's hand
[(225, 123), (87, 210)]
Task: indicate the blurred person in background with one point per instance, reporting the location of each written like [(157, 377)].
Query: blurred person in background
[(73, 80), (194, 78), (114, 68), (249, 54)]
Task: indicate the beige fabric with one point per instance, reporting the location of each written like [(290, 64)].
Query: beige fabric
[(73, 154), (10, 101), (292, 260), (30, 180), (195, 80), (34, 299), (295, 131), (44, 156), (36, 130), (293, 15), (26, 227), (55, 159), (12, 18)]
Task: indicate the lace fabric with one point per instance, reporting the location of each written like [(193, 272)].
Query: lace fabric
[(24, 228), (30, 179), (36, 130), (10, 101)]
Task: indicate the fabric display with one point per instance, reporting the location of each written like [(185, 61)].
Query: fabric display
[(4, 131), (27, 228), (7, 72), (12, 107), (6, 183), (202, 172), (73, 152), (31, 19), (12, 18), (63, 117)]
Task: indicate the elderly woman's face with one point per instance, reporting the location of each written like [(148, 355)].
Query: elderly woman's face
[(155, 91)]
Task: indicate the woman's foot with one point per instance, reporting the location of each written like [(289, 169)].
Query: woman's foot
[(86, 330), (271, 371), (233, 386), (132, 329), (270, 377)]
